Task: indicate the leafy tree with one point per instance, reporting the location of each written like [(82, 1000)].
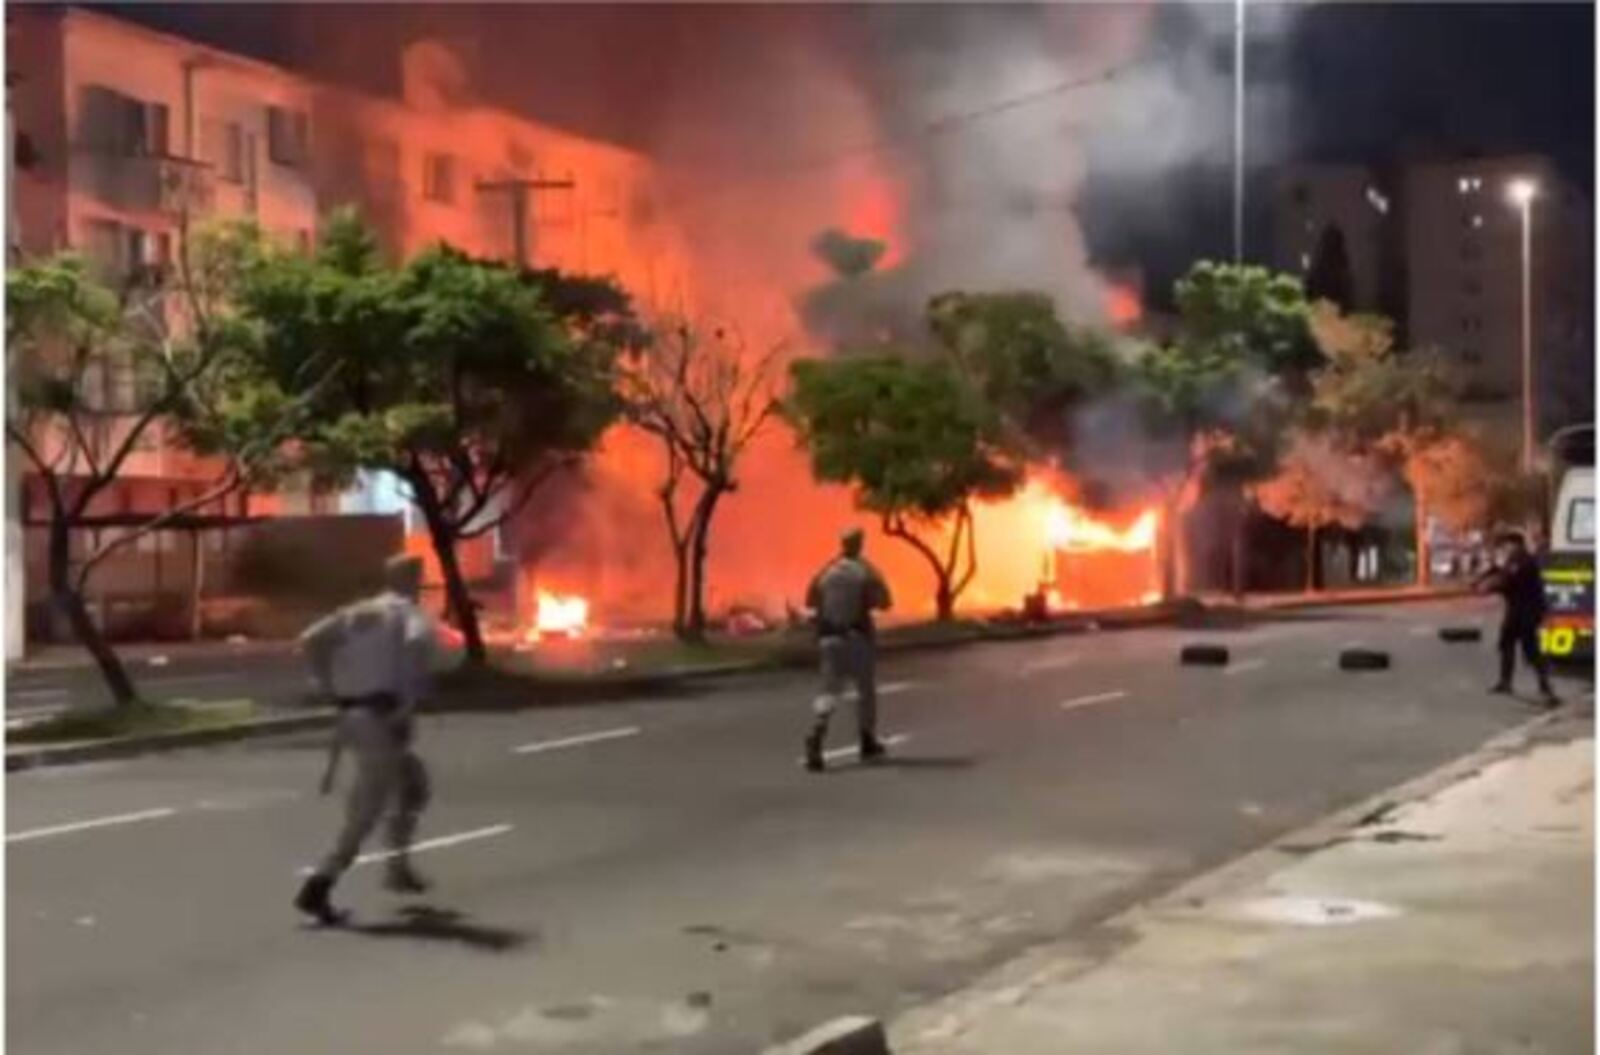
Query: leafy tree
[(1221, 398), (97, 375), (1318, 486), (705, 397), (461, 377), (1405, 408), (916, 442), (1029, 365)]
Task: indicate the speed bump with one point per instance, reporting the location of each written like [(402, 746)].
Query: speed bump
[(1363, 659), (1203, 656)]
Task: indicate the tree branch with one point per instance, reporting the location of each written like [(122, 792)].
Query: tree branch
[(230, 482)]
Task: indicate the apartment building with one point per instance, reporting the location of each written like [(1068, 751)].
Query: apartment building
[(1328, 210), (1463, 247), (1435, 243), (124, 137)]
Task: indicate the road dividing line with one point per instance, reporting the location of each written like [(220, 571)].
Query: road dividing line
[(576, 741), (1048, 663), (437, 844), (1090, 701), (852, 751), (80, 826), (893, 688), (1247, 666), (42, 694)]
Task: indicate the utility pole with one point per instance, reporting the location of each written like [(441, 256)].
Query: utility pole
[(1522, 192), (520, 189)]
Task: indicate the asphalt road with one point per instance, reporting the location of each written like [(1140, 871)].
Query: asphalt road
[(662, 876)]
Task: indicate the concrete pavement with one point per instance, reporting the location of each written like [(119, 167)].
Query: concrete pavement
[(1462, 921), (660, 875)]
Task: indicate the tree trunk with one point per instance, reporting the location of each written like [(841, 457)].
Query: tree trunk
[(458, 598), (70, 602), (699, 545), (943, 597), (1424, 557), (1241, 547), (196, 584), (1167, 540), (680, 589), (1311, 558)]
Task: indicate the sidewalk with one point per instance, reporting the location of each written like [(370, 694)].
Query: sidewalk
[(1460, 922)]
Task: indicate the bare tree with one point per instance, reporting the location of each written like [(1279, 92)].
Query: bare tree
[(705, 395)]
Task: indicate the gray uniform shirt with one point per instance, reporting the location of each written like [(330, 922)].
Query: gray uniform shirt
[(383, 644), (844, 595)]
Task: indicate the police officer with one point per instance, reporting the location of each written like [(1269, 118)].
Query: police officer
[(843, 597), (373, 658), (1516, 578)]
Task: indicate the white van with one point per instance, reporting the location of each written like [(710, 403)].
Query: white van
[(1568, 630)]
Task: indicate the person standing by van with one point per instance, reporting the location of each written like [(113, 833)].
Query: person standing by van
[(1518, 581)]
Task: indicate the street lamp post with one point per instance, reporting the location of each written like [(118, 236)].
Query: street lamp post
[(1522, 192), (1238, 131)]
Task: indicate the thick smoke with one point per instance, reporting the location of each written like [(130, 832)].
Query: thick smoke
[(988, 147)]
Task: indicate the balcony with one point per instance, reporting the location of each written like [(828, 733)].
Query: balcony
[(146, 184)]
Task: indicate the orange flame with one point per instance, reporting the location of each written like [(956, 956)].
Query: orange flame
[(555, 615), (1073, 530), (1123, 307), (1039, 542)]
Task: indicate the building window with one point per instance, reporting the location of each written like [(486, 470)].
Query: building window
[(1305, 261), (1471, 287), (1378, 200), (231, 162), (1469, 184), (288, 137), (124, 125), (1301, 195), (439, 178)]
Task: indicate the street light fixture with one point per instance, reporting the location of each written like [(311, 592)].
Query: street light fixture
[(1521, 192)]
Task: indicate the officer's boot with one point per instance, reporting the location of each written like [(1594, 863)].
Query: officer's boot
[(313, 901), (872, 749), (401, 878), (814, 760)]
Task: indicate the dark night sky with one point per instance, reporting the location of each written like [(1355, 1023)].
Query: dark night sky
[(1360, 83)]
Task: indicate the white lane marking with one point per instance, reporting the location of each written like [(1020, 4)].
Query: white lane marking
[(1247, 666), (42, 694), (848, 752), (1090, 701), (576, 741), (98, 822), (894, 687), (437, 844), (1048, 663)]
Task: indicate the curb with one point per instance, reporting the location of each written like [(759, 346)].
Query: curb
[(22, 758), (1405, 596), (855, 1035)]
